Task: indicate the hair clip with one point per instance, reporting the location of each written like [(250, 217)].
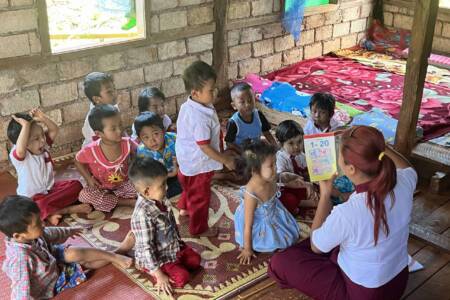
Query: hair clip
[(381, 155)]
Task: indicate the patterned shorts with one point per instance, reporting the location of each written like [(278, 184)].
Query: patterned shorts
[(71, 274)]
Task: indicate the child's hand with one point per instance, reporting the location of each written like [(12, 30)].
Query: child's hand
[(92, 182), (21, 121), (163, 282), (76, 231), (230, 162), (37, 115), (246, 256)]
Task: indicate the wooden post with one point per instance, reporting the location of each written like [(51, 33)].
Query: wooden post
[(416, 69), (220, 46)]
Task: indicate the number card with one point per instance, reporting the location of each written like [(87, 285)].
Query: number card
[(321, 155)]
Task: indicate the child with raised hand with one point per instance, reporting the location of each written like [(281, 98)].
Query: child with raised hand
[(104, 162), (247, 123), (198, 147), (99, 89), (159, 249), (159, 145), (292, 168), (261, 222), (152, 99), (358, 249), (31, 158), (35, 261)]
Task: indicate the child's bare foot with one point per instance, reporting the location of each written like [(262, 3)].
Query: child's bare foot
[(54, 219), (184, 212), (83, 208), (211, 232), (123, 261), (127, 244)]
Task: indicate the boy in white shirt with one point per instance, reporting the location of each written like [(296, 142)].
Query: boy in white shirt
[(99, 88), (198, 147), (31, 158), (322, 107)]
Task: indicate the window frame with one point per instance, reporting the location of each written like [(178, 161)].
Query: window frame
[(44, 35)]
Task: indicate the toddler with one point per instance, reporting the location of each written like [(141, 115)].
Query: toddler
[(152, 99), (159, 249), (322, 107), (198, 146), (104, 162), (292, 169), (99, 88), (159, 145), (38, 266), (261, 222), (247, 123), (31, 158)]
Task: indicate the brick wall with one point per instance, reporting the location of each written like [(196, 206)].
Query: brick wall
[(55, 83), (266, 47), (401, 15)]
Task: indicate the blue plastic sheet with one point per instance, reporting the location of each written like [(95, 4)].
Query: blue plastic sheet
[(293, 17)]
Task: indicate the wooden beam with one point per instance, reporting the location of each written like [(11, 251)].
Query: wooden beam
[(220, 46), (416, 69), (430, 237)]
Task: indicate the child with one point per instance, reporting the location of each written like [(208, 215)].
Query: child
[(159, 145), (247, 124), (261, 222), (104, 162), (99, 88), (152, 99), (38, 266), (358, 249), (34, 167), (322, 107), (198, 147), (159, 249), (292, 169)]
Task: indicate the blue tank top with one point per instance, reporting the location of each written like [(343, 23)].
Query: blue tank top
[(247, 131)]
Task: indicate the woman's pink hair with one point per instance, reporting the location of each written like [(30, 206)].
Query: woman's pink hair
[(361, 146)]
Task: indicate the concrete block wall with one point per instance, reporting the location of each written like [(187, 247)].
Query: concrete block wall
[(55, 83), (401, 15), (265, 48)]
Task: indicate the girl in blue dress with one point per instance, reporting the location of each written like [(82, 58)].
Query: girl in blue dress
[(262, 223)]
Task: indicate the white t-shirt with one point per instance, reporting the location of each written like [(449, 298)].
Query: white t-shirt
[(284, 162), (310, 128), (350, 226), (167, 121), (197, 124), (34, 173), (87, 131)]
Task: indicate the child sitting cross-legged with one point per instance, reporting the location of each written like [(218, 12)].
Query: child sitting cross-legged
[(247, 123), (152, 99), (261, 222), (159, 145), (37, 264), (104, 162), (32, 161), (159, 249), (292, 169)]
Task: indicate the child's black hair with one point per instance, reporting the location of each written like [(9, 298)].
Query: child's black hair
[(15, 214), (323, 101), (14, 128), (253, 155), (146, 95), (146, 169), (99, 113), (195, 76), (287, 130), (93, 84), (147, 118), (239, 88)]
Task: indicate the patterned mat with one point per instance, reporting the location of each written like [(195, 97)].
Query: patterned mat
[(221, 276)]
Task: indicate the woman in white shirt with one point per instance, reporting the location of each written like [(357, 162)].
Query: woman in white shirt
[(358, 249)]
